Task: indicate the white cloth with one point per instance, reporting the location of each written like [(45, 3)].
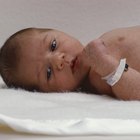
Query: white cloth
[(68, 113), (73, 127)]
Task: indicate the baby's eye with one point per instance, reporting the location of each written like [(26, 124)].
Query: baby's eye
[(49, 73), (53, 45)]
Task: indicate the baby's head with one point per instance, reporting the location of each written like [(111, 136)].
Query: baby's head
[(47, 60)]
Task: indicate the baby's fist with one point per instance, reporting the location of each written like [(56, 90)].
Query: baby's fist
[(99, 57)]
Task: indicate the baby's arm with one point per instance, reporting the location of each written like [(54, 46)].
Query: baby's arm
[(128, 87)]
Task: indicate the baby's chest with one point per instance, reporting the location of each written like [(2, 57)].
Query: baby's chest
[(129, 51)]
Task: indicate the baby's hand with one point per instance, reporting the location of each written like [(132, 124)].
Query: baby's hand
[(99, 57)]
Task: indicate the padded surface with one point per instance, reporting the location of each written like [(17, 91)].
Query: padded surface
[(84, 19)]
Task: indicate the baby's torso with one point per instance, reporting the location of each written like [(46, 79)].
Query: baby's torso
[(125, 43), (122, 43)]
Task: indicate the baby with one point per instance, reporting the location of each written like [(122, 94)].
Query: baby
[(49, 60)]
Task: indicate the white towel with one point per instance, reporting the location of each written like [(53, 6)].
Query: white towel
[(68, 113)]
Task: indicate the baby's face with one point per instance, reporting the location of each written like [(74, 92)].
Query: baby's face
[(53, 62)]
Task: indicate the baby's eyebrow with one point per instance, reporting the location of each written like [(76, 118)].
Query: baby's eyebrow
[(45, 38), (41, 68), (39, 71)]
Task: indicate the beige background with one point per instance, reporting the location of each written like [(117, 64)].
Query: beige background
[(84, 19)]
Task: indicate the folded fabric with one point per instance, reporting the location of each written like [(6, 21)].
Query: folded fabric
[(68, 113), (73, 127)]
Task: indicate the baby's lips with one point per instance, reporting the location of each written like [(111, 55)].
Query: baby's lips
[(73, 63)]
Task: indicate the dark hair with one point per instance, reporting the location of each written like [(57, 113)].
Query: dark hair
[(10, 59)]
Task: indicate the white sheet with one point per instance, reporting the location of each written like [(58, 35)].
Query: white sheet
[(68, 113), (81, 114)]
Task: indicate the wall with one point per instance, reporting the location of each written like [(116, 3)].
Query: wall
[(84, 19)]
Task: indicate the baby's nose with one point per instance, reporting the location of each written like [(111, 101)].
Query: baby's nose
[(59, 60)]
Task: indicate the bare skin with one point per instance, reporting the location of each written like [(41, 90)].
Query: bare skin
[(47, 60), (99, 58), (105, 57)]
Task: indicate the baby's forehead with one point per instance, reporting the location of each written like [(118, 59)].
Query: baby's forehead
[(40, 36)]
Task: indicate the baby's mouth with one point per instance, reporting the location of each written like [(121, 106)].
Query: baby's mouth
[(74, 64)]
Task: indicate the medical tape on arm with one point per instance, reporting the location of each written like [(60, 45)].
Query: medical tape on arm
[(115, 76)]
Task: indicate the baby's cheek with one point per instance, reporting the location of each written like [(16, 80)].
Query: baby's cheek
[(64, 81)]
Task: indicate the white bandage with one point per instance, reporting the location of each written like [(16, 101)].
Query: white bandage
[(115, 76)]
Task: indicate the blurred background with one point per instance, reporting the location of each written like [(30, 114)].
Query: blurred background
[(84, 19)]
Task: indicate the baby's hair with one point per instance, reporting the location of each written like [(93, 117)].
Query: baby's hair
[(10, 58)]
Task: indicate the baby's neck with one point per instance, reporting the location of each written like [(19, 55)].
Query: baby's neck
[(86, 86)]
